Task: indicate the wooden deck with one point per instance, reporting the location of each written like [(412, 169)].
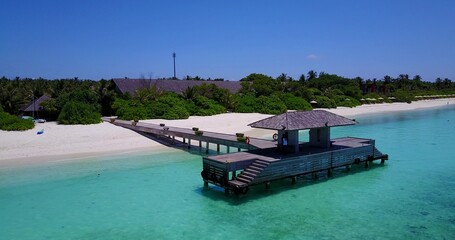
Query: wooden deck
[(263, 161), (238, 171), (186, 135)]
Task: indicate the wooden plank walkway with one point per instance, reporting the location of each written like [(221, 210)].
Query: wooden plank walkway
[(186, 134)]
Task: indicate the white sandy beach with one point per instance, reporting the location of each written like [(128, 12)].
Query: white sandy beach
[(71, 142)]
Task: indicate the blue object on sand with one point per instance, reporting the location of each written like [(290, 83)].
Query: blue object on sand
[(40, 132)]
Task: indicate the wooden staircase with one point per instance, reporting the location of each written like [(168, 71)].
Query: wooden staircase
[(249, 174)]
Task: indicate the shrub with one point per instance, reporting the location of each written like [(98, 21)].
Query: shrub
[(325, 102), (207, 107), (241, 139), (78, 113), (294, 103), (12, 123), (245, 103), (198, 133), (402, 96), (342, 101), (270, 105), (176, 112)]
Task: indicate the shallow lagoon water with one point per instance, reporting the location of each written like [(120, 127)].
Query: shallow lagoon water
[(161, 195)]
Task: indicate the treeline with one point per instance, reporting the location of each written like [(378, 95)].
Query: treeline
[(72, 101), (75, 101)]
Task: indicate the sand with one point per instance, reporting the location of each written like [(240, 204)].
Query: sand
[(81, 141), (368, 109)]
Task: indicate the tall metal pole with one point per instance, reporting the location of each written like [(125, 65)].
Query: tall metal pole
[(173, 55)]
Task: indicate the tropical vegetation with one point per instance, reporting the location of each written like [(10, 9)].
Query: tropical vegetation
[(74, 101)]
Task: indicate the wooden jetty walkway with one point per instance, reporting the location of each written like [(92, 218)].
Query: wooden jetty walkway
[(186, 136), (266, 160)]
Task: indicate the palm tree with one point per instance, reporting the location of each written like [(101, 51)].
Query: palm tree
[(189, 93), (312, 74)]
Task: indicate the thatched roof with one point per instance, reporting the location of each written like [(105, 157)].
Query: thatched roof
[(131, 85), (301, 120), (38, 107)]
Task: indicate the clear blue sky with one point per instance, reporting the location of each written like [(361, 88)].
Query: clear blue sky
[(226, 39)]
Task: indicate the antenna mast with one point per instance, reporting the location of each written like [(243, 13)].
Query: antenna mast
[(174, 55)]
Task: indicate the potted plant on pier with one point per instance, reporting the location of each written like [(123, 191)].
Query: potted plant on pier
[(239, 134), (195, 129), (198, 133), (162, 124), (134, 122)]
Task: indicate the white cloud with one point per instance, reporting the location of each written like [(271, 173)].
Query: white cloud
[(313, 56)]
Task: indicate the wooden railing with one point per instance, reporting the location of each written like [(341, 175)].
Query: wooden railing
[(314, 163)]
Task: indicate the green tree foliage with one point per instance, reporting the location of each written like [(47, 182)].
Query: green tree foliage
[(88, 102), (147, 94), (207, 107), (167, 106), (245, 103), (325, 102), (9, 122), (294, 103), (270, 105), (75, 112), (403, 96), (259, 84)]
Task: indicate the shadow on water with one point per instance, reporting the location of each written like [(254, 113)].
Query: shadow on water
[(177, 144), (256, 192)]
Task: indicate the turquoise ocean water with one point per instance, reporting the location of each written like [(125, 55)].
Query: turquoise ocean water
[(161, 195)]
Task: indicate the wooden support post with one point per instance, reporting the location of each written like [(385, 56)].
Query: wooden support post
[(315, 176), (267, 185), (366, 163), (228, 149), (206, 184), (184, 141), (218, 148), (329, 172), (348, 167), (189, 143), (200, 143), (238, 149), (207, 147), (173, 139), (294, 180), (382, 161)]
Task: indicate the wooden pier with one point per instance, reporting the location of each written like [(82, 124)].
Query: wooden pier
[(236, 172), (266, 160), (188, 136), (239, 171)]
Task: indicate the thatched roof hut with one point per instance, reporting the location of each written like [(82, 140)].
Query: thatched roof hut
[(301, 120), (35, 106), (288, 125)]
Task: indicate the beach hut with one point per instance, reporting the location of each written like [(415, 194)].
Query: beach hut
[(35, 109), (288, 125)]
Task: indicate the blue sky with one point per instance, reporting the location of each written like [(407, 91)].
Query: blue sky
[(226, 39)]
